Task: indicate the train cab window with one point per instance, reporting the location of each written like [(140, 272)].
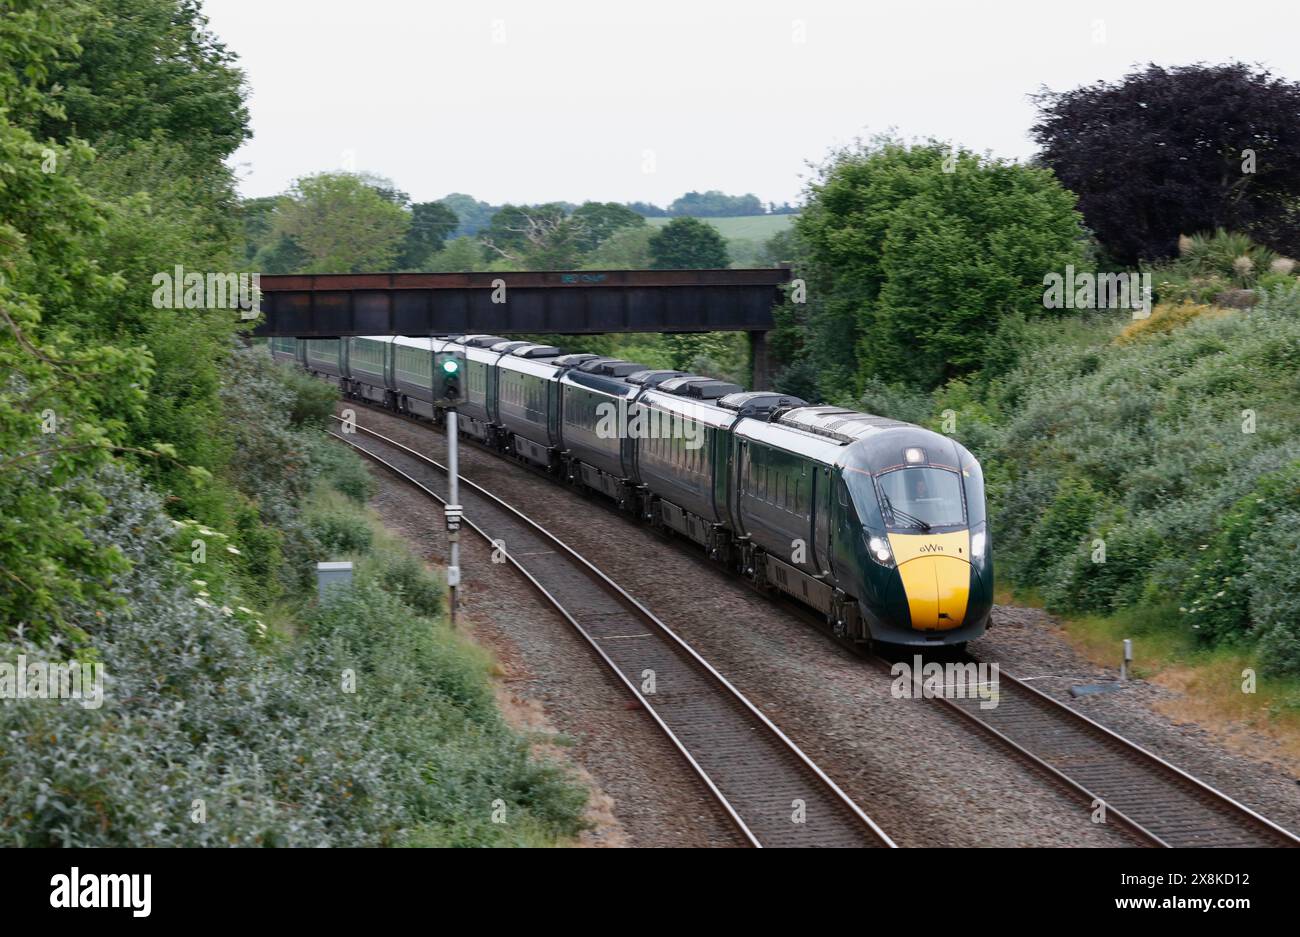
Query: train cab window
[(922, 498)]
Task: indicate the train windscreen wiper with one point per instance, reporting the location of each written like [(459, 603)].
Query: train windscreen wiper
[(911, 519)]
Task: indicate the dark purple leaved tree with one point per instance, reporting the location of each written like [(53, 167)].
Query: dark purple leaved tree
[(1170, 151)]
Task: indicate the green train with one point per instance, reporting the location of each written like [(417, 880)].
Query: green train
[(879, 525)]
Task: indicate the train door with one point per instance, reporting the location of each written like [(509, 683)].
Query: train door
[(553, 410), (822, 520), (842, 528), (739, 479)]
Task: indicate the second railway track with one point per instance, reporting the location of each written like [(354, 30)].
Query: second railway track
[(1155, 799), (773, 793)]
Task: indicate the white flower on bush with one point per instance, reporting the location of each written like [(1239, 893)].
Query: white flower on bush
[(202, 604), (233, 550), (199, 582), (227, 611), (245, 610)]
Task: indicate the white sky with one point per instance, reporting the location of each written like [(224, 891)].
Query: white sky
[(565, 100)]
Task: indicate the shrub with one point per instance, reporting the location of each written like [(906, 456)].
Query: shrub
[(1164, 318), (341, 533), (406, 577), (1176, 449), (338, 465), (1247, 582), (267, 741), (311, 402)]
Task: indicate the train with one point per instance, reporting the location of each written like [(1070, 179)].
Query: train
[(879, 525)]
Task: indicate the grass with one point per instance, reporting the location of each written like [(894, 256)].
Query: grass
[(546, 806), (746, 227)]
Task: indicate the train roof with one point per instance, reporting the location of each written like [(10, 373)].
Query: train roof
[(532, 350), (652, 377), (610, 367), (424, 343), (843, 426)]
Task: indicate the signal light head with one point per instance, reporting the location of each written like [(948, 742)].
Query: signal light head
[(451, 365)]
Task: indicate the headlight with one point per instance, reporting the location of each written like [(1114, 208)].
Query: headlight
[(880, 551), (979, 542)]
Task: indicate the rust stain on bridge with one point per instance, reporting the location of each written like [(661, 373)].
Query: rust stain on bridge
[(574, 302)]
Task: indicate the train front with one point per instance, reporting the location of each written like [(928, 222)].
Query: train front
[(921, 540)]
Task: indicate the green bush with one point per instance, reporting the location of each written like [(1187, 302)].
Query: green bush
[(342, 468), (406, 577), (340, 533), (1176, 449), (266, 741), (311, 402), (1246, 585)]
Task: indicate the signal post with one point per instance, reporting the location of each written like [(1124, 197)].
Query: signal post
[(448, 368)]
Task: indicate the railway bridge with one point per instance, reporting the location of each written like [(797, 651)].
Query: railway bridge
[(533, 302)]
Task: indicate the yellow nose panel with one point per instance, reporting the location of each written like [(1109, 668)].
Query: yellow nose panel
[(936, 575)]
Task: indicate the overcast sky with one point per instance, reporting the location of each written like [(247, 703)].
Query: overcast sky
[(539, 101)]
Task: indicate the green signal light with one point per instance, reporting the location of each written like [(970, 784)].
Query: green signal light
[(451, 365)]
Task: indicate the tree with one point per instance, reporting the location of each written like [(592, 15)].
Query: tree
[(64, 402), (461, 255), (688, 244), (647, 210), (626, 249), (342, 224), (595, 222), (715, 204), (919, 255), (146, 67), (431, 224), (1171, 151), (473, 214), (537, 237)]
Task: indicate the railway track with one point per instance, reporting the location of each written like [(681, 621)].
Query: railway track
[(1156, 800), (772, 792), (1159, 803)]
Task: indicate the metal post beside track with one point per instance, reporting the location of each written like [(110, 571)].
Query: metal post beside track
[(453, 514)]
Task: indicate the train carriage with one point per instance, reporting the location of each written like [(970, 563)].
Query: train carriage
[(682, 456), (284, 349), (411, 375), (528, 402), (594, 406), (368, 366), (782, 505), (325, 357), (477, 409)]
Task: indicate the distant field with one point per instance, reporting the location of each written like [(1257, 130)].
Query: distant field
[(748, 227)]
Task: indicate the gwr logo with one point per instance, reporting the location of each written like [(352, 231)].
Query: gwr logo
[(931, 548)]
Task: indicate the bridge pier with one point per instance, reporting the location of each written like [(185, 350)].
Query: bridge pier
[(758, 361)]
